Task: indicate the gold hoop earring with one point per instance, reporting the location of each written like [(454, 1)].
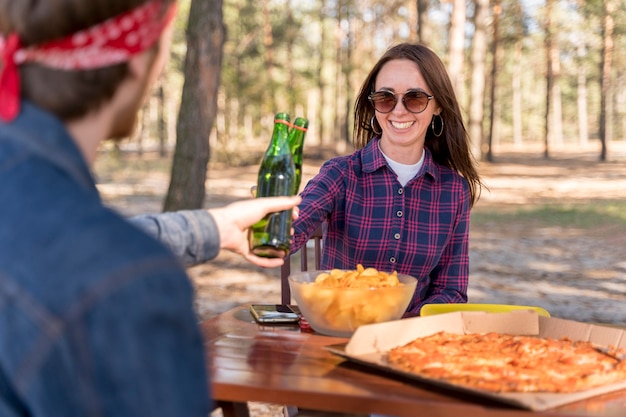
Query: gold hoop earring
[(372, 125), (432, 125)]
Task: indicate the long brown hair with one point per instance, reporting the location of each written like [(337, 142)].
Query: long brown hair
[(67, 94), (452, 148)]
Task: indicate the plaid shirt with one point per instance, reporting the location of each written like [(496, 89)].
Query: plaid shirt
[(421, 229)]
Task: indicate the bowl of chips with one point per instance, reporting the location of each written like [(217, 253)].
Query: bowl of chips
[(336, 302)]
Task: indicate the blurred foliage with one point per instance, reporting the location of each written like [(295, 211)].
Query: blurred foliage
[(309, 57)]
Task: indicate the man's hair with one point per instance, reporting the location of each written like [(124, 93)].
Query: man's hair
[(67, 94)]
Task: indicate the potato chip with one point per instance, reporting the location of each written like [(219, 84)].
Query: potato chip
[(359, 278)]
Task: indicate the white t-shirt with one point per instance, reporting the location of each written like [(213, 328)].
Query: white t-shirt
[(404, 172)]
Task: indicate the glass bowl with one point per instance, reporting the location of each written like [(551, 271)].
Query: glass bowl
[(339, 311)]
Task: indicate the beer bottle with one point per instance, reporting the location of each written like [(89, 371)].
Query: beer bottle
[(296, 143), (270, 237)]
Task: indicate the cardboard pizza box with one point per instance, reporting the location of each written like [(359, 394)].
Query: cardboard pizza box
[(369, 344)]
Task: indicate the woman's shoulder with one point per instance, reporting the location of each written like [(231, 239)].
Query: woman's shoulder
[(344, 162), (440, 171), (448, 174), (446, 177)]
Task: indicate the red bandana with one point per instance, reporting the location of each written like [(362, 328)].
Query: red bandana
[(111, 42)]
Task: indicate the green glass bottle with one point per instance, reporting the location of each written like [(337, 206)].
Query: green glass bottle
[(296, 143), (270, 237)]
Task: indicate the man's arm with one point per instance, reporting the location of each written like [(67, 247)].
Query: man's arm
[(196, 236), (192, 235)]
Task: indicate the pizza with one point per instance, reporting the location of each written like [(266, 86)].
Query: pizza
[(506, 363)]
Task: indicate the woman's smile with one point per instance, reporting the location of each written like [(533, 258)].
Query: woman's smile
[(402, 125)]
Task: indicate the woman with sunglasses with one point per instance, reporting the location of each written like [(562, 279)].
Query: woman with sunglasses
[(402, 200)]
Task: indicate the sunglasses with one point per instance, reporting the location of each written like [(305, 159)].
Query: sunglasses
[(385, 101)]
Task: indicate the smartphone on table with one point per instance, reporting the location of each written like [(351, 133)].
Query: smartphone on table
[(275, 313)]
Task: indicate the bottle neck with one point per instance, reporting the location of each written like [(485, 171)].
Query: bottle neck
[(296, 136), (280, 138)]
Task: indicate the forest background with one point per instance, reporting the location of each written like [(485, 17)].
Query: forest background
[(526, 72), (542, 85)]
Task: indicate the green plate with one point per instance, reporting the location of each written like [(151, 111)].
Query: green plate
[(432, 309)]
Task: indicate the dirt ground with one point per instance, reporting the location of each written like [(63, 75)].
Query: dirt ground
[(574, 271)]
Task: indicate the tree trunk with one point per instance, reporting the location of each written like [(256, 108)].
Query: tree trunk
[(337, 103), (557, 106), (291, 74), (516, 86), (495, 64), (456, 43), (423, 31), (608, 26), (477, 85), (415, 23), (321, 85), (268, 44), (620, 103), (203, 62), (143, 127), (583, 121), (162, 127), (347, 77), (549, 77)]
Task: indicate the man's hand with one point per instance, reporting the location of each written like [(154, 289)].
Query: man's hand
[(234, 220)]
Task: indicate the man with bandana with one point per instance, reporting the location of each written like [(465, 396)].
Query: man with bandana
[(96, 316)]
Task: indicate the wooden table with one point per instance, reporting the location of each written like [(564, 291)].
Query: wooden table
[(278, 365)]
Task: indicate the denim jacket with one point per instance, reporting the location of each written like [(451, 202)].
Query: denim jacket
[(96, 316)]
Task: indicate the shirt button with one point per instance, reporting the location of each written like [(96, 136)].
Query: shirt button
[(399, 213), (392, 260), (397, 236), (401, 191)]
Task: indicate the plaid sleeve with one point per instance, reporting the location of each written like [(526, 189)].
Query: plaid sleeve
[(318, 200)]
